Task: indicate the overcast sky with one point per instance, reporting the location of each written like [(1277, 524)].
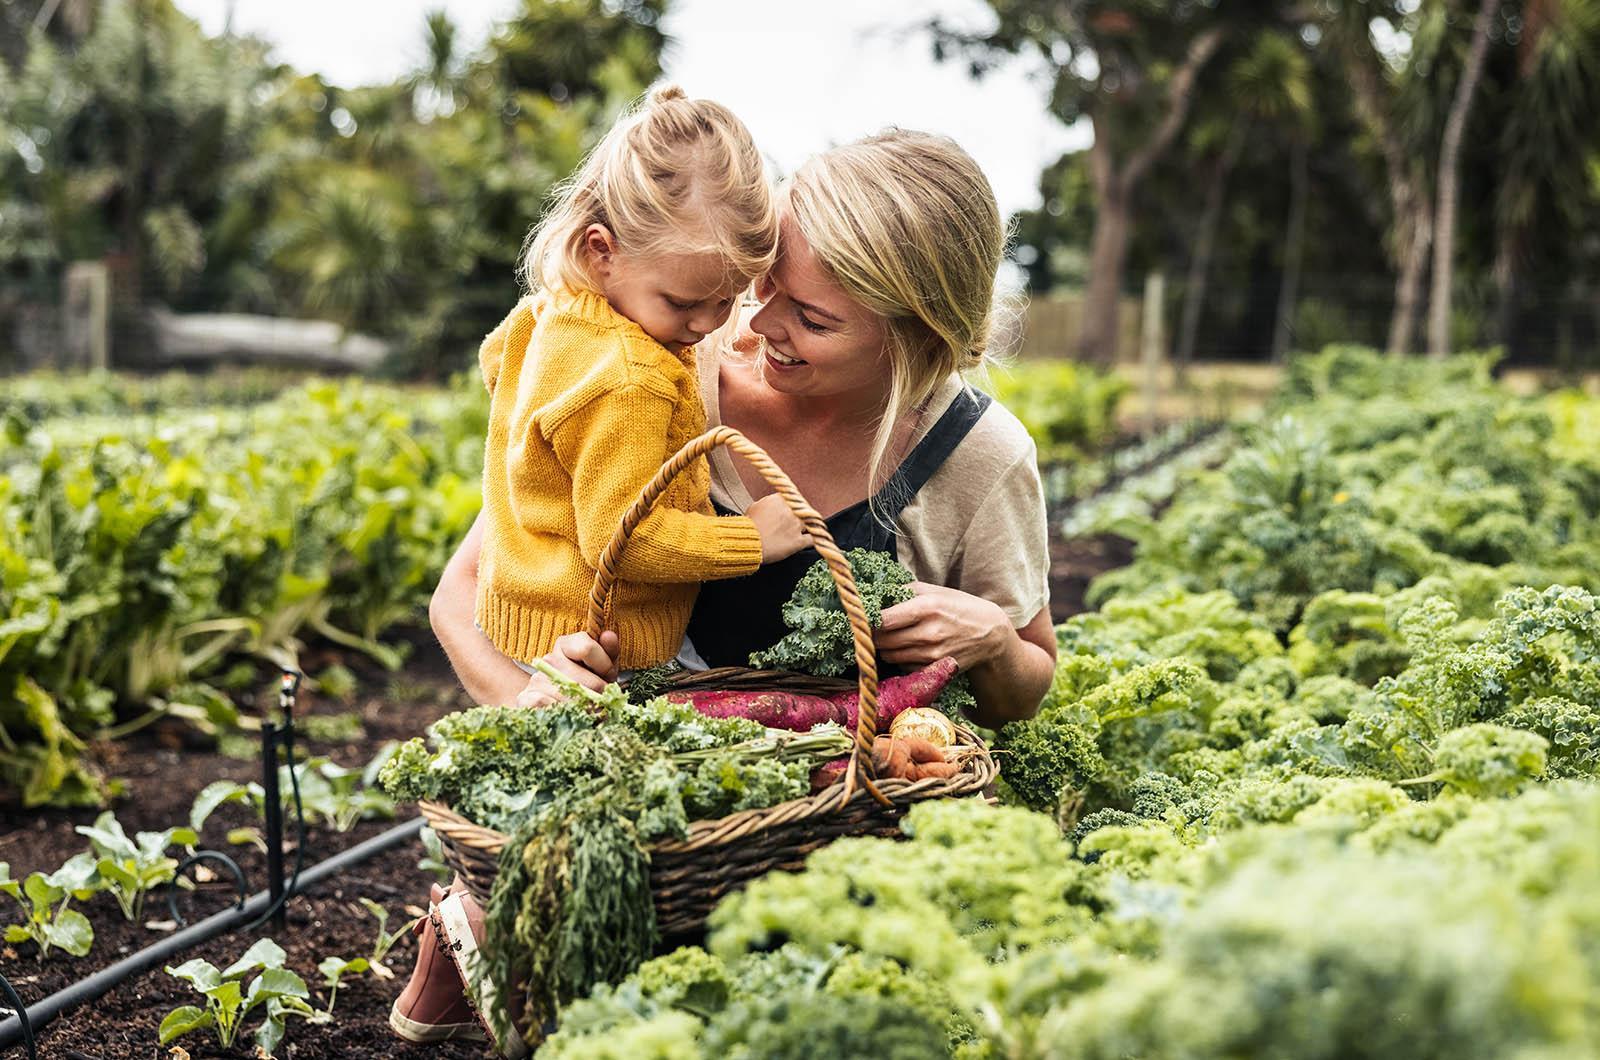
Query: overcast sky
[(801, 75)]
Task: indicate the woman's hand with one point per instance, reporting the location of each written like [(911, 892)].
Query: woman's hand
[(940, 621), (1010, 668), (592, 663)]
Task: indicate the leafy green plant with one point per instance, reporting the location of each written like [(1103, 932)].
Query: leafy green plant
[(47, 920), (433, 856), (385, 940), (334, 970), (331, 795), (130, 868), (279, 992)]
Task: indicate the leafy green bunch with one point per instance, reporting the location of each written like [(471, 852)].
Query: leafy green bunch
[(583, 787)]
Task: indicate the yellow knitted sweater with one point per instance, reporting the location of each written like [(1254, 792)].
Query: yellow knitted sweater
[(584, 409)]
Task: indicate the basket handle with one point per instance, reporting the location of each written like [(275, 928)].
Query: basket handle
[(866, 663)]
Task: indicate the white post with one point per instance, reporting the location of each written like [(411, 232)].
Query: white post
[(86, 317)]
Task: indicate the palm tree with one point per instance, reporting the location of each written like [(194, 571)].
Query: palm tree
[(1268, 86), (1547, 132)]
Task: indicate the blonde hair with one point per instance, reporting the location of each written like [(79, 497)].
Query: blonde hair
[(908, 225), (674, 175)]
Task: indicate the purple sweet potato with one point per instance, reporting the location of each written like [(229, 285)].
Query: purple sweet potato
[(798, 712), (775, 710), (899, 694)]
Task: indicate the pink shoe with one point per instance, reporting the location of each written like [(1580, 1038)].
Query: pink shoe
[(461, 926), (434, 1006)]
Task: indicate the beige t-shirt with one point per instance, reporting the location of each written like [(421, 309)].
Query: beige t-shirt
[(979, 523)]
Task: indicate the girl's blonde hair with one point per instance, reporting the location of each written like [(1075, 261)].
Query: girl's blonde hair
[(674, 175), (908, 225)]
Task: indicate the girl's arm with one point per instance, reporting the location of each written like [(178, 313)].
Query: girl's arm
[(1011, 668)]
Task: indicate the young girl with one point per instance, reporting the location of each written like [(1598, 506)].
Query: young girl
[(593, 385)]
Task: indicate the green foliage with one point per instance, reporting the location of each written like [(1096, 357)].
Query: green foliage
[(331, 795), (141, 559), (334, 970), (385, 940), (1068, 407), (131, 868), (276, 990), (47, 921), (819, 641)]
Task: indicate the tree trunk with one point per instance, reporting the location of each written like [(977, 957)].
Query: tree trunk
[(1097, 343), (1194, 288), (1449, 191), (1293, 250), (1507, 269), (1415, 230), (1114, 186)]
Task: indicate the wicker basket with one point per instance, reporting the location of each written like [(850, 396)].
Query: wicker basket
[(689, 877)]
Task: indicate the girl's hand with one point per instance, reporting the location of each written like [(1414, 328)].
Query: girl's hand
[(592, 663), (781, 533), (940, 621)]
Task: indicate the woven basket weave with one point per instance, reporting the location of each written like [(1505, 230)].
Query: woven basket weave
[(688, 877)]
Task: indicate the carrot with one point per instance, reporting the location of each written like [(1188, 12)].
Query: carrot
[(909, 757)]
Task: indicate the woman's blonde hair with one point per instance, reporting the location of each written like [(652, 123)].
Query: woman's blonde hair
[(908, 225), (674, 175)]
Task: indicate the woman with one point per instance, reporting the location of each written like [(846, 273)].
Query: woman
[(849, 376)]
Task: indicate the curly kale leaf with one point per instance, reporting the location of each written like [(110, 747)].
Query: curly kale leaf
[(819, 641), (806, 1028)]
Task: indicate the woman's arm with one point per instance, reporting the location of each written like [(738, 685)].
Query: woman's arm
[(486, 674), (1010, 668)]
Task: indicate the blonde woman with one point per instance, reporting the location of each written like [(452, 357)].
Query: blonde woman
[(850, 374)]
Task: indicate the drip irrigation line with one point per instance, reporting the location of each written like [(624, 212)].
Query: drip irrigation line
[(198, 856), (35, 1017), (21, 1016)]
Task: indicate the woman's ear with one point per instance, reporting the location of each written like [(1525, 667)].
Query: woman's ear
[(600, 246)]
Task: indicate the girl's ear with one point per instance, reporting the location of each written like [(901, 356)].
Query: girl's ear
[(599, 244)]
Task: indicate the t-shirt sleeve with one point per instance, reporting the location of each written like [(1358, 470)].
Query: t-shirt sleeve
[(1004, 554), (979, 524)]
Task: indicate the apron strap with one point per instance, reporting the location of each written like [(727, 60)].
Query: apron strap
[(930, 454)]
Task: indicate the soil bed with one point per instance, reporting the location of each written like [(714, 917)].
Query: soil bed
[(164, 767)]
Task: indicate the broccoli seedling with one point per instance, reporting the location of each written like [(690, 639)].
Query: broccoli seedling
[(228, 1001), (47, 921)]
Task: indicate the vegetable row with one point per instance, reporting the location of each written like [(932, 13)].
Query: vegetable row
[(146, 563)]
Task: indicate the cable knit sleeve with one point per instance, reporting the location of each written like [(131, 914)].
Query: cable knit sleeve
[(512, 333), (612, 445)]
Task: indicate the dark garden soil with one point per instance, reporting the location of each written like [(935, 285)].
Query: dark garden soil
[(1075, 562), (164, 767)]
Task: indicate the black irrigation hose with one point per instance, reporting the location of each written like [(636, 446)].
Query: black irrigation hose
[(21, 1026), (204, 855), (21, 1011)]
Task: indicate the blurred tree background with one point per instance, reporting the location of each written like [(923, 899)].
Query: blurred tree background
[(216, 179), (1413, 174), (1417, 174)]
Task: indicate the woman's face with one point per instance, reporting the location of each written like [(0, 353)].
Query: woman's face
[(819, 341)]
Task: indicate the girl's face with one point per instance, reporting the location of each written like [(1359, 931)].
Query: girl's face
[(678, 299), (820, 342)]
